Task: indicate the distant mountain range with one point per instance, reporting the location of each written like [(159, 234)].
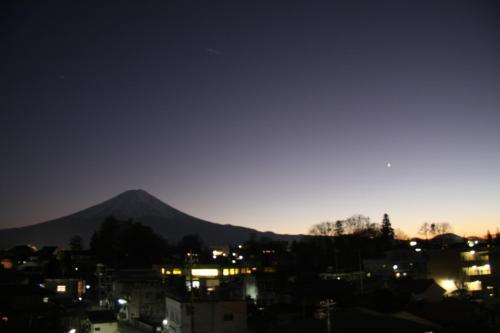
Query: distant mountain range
[(139, 206)]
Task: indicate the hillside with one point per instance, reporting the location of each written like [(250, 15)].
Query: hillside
[(139, 206)]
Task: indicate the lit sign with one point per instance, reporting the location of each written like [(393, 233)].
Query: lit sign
[(205, 272)]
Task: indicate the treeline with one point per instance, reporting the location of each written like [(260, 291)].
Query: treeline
[(126, 243)]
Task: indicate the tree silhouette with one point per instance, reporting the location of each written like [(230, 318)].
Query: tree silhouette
[(489, 238), (354, 225), (323, 229), (434, 229), (339, 228), (127, 244), (387, 232), (76, 243), (190, 243), (424, 230)]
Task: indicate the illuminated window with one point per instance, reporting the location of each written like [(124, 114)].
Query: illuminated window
[(225, 272), (61, 288), (473, 285), (162, 271), (45, 299), (177, 271), (484, 256), (468, 256), (477, 270), (196, 284), (205, 272), (475, 256)]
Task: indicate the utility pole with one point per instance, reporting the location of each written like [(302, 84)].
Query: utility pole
[(328, 304), (361, 272), (190, 258)]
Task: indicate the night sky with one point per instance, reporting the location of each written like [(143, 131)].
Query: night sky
[(274, 115)]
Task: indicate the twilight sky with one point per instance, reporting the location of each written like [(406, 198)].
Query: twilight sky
[(274, 115)]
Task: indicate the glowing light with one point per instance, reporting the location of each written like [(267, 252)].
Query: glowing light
[(477, 270), (398, 275), (87, 286), (205, 272), (61, 288), (217, 253), (447, 284), (6, 263), (165, 322), (389, 164), (72, 330), (413, 243), (473, 285), (177, 271), (418, 249), (394, 267), (122, 301), (240, 246)]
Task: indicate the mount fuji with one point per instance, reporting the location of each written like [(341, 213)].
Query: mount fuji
[(139, 206)]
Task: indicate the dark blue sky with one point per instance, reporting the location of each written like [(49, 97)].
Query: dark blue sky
[(269, 114)]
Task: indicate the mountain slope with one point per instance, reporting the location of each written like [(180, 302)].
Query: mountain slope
[(137, 205)]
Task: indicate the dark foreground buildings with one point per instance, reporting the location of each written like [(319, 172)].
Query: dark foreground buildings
[(311, 285)]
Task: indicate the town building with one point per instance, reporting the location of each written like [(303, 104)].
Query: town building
[(475, 269), (210, 315)]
